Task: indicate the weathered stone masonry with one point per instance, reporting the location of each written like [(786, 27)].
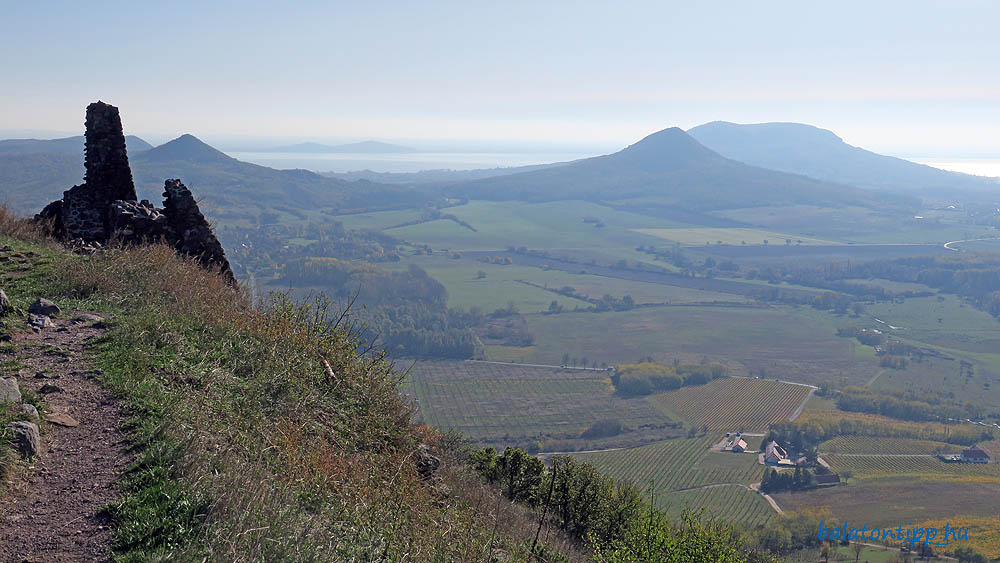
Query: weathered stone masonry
[(105, 206)]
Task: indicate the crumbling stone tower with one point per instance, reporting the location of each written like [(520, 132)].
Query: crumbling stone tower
[(105, 159), (104, 206)]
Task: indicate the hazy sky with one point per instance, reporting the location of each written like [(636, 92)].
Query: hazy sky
[(913, 78)]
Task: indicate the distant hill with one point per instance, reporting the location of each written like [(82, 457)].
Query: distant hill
[(228, 188), (66, 145), (815, 152), (362, 147), (669, 169)]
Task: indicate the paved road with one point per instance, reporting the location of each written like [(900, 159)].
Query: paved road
[(774, 504)]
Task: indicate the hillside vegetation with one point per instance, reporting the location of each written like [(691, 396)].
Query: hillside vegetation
[(262, 434)]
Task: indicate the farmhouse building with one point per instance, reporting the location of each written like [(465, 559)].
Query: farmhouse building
[(775, 454), (974, 455), (738, 445)]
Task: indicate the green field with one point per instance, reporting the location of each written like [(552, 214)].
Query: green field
[(556, 225), (731, 236), (942, 320), (733, 404), (505, 283), (671, 472), (504, 404), (787, 343)]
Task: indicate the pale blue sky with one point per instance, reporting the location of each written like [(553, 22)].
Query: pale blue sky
[(899, 77)]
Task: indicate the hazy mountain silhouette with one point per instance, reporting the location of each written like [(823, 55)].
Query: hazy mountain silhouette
[(65, 145), (667, 168), (228, 188), (188, 148), (815, 152), (362, 147)]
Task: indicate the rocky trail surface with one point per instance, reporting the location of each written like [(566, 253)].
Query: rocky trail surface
[(54, 511)]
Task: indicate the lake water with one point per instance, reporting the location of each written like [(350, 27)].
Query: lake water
[(400, 162), (977, 166), (415, 162)]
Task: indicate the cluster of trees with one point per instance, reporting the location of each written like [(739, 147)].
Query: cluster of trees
[(864, 336), (795, 530), (404, 312), (603, 429), (609, 515), (972, 275), (647, 377), (417, 329), (806, 435), (501, 260), (370, 284), (601, 305), (919, 407), (267, 247), (435, 214), (969, 555), (774, 481)]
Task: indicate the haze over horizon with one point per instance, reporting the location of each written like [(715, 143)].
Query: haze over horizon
[(902, 79)]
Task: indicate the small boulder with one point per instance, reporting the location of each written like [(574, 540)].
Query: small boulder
[(26, 438), (30, 411), (62, 419), (44, 307), (427, 464), (87, 318), (5, 306), (9, 392), (40, 321)]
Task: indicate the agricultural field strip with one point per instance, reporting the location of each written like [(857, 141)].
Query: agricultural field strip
[(676, 465), (493, 399), (735, 403), (664, 278), (872, 465), (873, 445)]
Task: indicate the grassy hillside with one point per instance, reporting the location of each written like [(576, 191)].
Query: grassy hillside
[(261, 434), (247, 448)]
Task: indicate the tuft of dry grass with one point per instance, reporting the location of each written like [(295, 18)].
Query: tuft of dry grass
[(20, 228)]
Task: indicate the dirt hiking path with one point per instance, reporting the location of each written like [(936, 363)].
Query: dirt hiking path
[(54, 512)]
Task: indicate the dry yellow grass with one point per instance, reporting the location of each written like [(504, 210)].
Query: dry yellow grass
[(984, 533)]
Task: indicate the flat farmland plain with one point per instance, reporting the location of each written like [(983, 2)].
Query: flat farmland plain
[(783, 343), (510, 404), (734, 404)]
